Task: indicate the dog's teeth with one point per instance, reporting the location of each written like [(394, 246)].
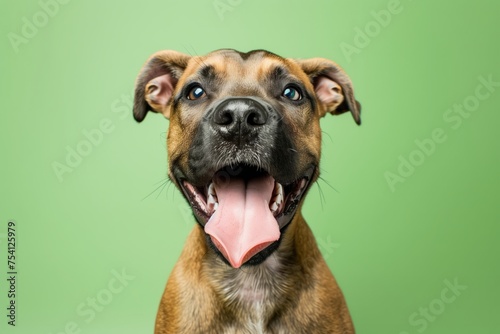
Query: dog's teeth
[(212, 200), (278, 189), (212, 203), (300, 188), (277, 198), (277, 201), (274, 207), (211, 190)]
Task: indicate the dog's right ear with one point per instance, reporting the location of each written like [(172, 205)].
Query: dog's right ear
[(156, 82)]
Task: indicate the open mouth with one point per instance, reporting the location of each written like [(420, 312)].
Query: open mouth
[(205, 202), (243, 209)]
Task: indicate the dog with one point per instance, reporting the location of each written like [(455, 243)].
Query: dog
[(244, 145)]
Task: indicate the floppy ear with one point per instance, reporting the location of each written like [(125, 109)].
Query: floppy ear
[(332, 86), (156, 82)]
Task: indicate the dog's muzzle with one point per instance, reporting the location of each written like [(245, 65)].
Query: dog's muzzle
[(235, 186), (239, 119)]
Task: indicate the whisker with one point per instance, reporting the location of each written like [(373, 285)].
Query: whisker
[(195, 56), (328, 135), (161, 190), (161, 186), (163, 137), (321, 196), (328, 184)]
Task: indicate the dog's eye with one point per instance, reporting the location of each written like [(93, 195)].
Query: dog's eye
[(292, 94), (195, 93)]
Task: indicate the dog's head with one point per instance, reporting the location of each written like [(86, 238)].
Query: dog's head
[(244, 138)]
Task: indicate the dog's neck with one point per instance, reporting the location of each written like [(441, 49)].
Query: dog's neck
[(252, 294), (251, 285), (256, 292)]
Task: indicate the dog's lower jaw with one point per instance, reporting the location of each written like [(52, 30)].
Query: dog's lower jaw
[(205, 295)]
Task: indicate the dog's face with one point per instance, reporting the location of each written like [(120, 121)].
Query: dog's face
[(244, 138)]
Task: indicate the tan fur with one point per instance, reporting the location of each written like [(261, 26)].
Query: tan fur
[(293, 290), (204, 295)]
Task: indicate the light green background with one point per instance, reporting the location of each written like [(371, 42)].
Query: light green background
[(391, 251)]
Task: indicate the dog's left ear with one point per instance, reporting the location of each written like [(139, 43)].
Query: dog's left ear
[(333, 87)]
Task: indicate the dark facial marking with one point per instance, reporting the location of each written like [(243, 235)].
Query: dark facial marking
[(208, 72)]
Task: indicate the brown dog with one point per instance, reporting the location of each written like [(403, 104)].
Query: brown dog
[(244, 147)]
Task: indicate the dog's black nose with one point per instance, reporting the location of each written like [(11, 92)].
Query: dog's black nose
[(239, 116)]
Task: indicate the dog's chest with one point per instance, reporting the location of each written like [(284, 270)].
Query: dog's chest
[(251, 302), (252, 295)]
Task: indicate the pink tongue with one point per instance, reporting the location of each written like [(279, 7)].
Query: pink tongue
[(243, 224)]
